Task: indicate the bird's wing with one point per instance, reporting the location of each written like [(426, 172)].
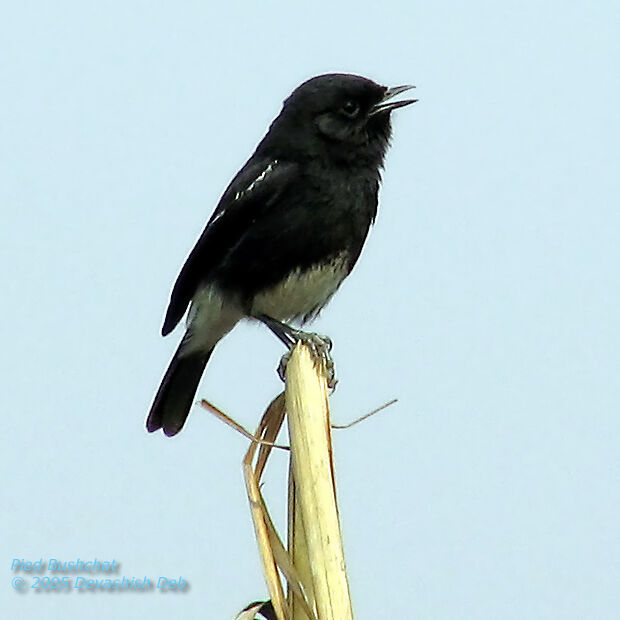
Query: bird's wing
[(257, 186)]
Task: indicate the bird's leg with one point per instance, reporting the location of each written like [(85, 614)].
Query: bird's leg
[(319, 345)]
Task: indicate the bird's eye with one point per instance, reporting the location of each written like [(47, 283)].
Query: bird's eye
[(350, 108)]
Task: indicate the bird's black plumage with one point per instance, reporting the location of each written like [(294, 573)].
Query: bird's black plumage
[(287, 230)]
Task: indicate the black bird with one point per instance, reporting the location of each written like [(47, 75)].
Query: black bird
[(287, 230)]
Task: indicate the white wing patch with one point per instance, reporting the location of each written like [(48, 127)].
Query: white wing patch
[(261, 177)]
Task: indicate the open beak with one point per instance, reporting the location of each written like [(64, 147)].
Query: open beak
[(385, 105)]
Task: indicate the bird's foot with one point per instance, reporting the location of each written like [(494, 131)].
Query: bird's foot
[(320, 348)]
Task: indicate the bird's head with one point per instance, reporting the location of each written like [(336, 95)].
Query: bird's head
[(340, 117)]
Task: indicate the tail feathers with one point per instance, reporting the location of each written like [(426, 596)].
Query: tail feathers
[(176, 393)]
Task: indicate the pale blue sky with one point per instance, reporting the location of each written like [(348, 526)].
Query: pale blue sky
[(486, 300)]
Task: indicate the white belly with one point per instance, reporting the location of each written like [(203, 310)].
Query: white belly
[(303, 293)]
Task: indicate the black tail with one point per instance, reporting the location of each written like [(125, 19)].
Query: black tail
[(176, 392)]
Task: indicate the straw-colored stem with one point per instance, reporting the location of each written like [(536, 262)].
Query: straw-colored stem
[(309, 430), (298, 552)]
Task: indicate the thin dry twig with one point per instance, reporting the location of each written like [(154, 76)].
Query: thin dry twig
[(365, 416), (218, 413)]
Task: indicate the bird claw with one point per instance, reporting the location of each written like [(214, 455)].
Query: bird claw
[(320, 347), (282, 366)]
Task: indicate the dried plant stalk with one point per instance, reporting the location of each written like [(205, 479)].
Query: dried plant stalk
[(314, 490), (298, 552)]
